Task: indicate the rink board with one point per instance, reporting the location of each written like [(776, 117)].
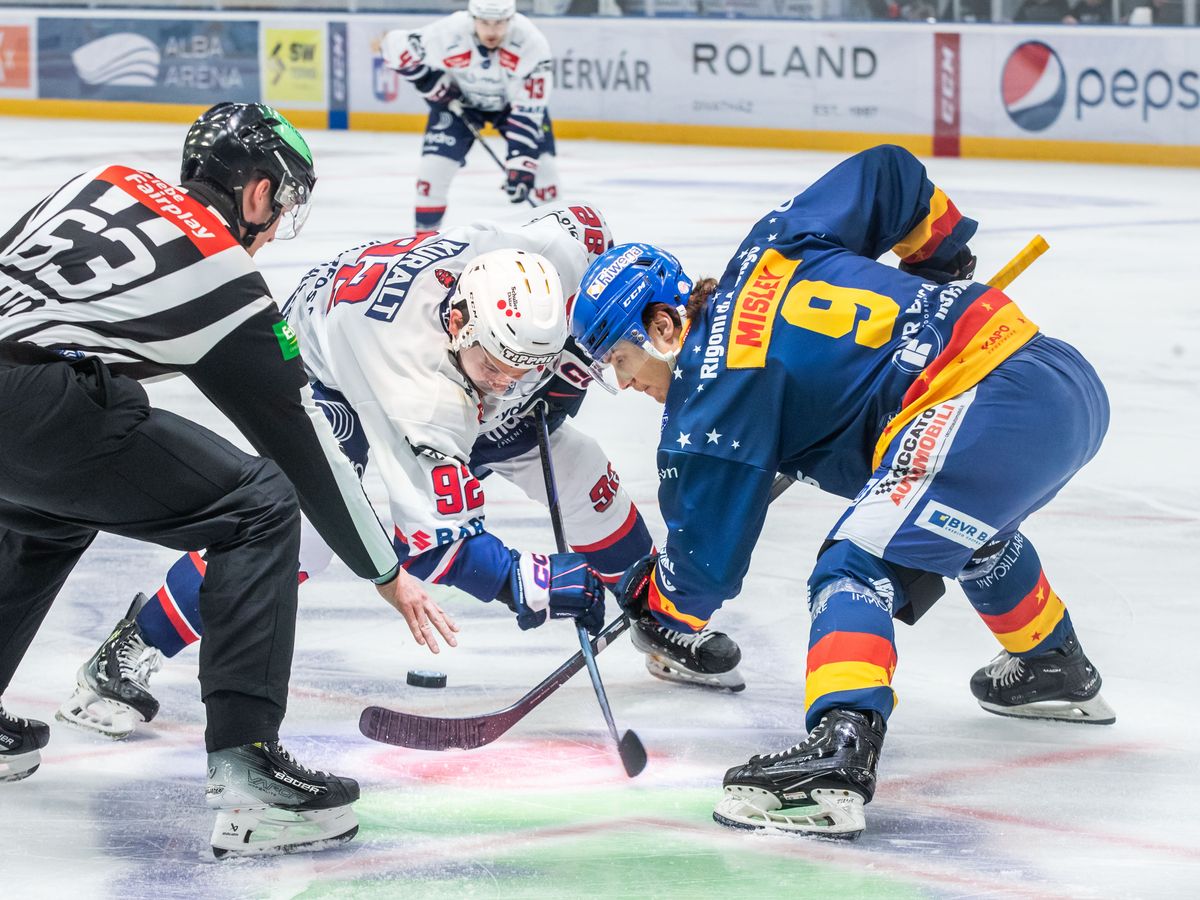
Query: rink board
[(1125, 95)]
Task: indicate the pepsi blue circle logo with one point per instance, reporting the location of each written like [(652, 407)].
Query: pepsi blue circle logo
[(1033, 86)]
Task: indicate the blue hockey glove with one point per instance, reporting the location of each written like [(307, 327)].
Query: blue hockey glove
[(558, 586), (522, 171), (633, 590), (961, 267)]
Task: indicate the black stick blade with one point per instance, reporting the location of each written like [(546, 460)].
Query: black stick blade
[(633, 754), (422, 732)]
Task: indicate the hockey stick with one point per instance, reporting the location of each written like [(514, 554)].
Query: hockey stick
[(456, 108), (629, 746), (467, 733), (1023, 260), (432, 733)]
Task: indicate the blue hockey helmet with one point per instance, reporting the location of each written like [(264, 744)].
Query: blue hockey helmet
[(616, 288)]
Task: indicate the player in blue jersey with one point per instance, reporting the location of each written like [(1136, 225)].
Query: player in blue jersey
[(916, 394)]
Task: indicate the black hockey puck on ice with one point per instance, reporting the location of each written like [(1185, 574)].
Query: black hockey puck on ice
[(426, 678)]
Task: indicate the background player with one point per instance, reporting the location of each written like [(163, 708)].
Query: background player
[(398, 385), (496, 64), (119, 276), (916, 394)]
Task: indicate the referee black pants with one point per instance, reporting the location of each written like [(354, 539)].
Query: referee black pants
[(82, 451)]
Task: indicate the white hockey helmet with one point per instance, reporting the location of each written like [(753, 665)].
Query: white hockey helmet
[(492, 10), (512, 305), (582, 221)]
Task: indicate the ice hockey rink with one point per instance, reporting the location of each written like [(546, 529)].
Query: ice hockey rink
[(969, 805)]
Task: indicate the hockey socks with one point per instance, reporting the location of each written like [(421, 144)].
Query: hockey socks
[(171, 620), (1042, 672), (851, 649)]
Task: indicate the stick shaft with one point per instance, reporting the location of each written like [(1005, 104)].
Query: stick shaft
[(486, 146), (1019, 263), (560, 540)]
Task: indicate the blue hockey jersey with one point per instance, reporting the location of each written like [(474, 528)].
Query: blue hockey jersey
[(808, 358)]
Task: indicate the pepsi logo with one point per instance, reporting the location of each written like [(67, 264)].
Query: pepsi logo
[(1033, 86)]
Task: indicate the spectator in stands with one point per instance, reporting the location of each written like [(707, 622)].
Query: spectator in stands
[(969, 11), (1167, 12), (1091, 12), (1043, 11)]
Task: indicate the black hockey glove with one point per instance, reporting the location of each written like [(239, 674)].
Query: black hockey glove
[(558, 586), (960, 268), (633, 590), (521, 173), (436, 87)]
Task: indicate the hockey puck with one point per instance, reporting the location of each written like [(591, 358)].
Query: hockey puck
[(426, 678)]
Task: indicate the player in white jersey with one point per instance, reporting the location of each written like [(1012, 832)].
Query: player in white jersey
[(391, 367), (487, 63)]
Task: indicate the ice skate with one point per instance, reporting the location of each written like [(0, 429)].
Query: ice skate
[(21, 741), (112, 691), (267, 802), (1061, 685), (706, 658), (817, 787)]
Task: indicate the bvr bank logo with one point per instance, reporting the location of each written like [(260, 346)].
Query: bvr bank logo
[(957, 526), (1033, 86)]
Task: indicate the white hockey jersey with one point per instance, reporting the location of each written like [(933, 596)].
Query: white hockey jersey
[(516, 74), (371, 325)]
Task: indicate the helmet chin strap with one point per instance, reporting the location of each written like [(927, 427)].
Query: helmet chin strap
[(254, 229)]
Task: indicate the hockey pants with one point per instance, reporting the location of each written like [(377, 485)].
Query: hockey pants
[(82, 451)]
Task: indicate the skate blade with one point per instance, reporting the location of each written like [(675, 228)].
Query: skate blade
[(88, 711), (1087, 712), (834, 814), (271, 831), (669, 670), (20, 766)]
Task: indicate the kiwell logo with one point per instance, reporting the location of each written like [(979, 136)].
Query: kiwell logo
[(606, 275), (124, 58), (1033, 86)]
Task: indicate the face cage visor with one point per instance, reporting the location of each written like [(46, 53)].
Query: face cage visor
[(494, 378), (631, 352), (294, 200)]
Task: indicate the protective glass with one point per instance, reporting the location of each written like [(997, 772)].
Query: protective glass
[(625, 362), (497, 379), (295, 200)]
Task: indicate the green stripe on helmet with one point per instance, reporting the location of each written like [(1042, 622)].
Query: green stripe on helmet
[(289, 133)]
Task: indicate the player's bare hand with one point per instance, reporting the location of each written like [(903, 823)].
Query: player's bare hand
[(425, 618)]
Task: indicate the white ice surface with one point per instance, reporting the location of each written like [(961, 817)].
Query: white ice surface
[(969, 804)]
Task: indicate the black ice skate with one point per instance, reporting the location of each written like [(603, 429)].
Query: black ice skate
[(20, 743), (819, 786), (1061, 685), (267, 802), (706, 658), (112, 692)]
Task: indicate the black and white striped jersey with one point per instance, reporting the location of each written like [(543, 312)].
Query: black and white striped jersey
[(121, 265)]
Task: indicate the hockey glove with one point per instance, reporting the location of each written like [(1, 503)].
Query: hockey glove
[(633, 590), (561, 586), (960, 268), (522, 171), (437, 88)]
